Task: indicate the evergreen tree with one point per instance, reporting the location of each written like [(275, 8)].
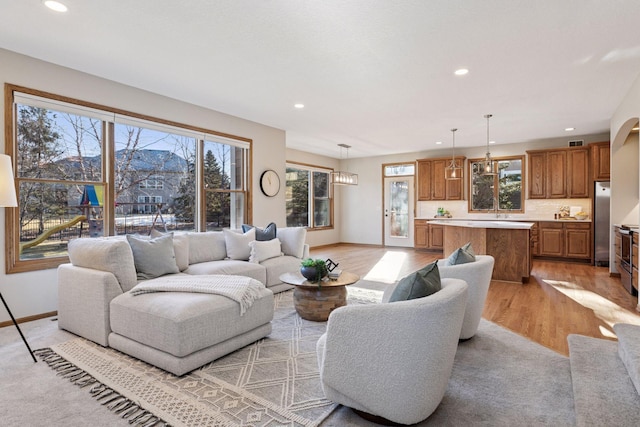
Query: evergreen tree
[(37, 151)]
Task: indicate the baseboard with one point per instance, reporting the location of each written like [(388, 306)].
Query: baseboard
[(369, 245), (29, 318)]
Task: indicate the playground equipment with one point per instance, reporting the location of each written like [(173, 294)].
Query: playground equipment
[(91, 204)]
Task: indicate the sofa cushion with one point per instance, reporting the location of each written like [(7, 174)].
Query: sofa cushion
[(181, 323), (629, 350), (418, 284), (261, 251), (207, 246), (105, 254), (180, 247), (262, 234), (230, 266), (462, 255), (238, 244), (153, 257), (292, 240), (277, 266)]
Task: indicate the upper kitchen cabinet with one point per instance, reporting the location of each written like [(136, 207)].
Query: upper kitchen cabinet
[(431, 182), (600, 160), (559, 173)]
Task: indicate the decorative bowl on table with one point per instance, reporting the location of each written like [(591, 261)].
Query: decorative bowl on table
[(581, 216)]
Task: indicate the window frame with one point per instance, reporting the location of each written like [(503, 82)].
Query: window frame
[(311, 202), (109, 116), (496, 185)]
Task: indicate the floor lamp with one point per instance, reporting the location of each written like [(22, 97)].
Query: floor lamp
[(8, 199)]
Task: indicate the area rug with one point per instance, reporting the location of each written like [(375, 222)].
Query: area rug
[(273, 382)]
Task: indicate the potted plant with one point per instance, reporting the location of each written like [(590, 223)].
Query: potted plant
[(313, 270)]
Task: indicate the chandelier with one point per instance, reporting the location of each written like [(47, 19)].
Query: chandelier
[(488, 165), (453, 170), (343, 177)]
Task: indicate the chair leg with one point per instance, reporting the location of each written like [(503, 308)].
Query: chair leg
[(18, 328)]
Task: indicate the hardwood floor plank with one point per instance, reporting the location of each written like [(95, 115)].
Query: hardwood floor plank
[(560, 298)]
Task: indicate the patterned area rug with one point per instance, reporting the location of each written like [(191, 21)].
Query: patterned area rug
[(273, 382)]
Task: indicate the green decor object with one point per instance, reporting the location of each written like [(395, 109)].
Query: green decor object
[(418, 284), (462, 255), (314, 270)]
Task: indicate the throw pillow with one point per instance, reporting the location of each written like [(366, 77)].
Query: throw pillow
[(262, 234), (462, 255), (292, 239), (206, 246), (238, 244), (264, 250), (153, 257), (418, 284), (180, 247)]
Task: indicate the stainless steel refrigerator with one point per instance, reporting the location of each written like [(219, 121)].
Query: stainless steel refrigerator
[(601, 225)]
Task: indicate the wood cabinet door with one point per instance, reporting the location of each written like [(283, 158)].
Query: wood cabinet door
[(537, 173), (578, 173), (421, 235), (436, 235), (601, 158), (438, 183), (551, 241), (424, 180), (455, 187), (578, 243), (556, 174)]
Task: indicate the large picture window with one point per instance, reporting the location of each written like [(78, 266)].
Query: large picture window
[(308, 197), (501, 193), (85, 171)]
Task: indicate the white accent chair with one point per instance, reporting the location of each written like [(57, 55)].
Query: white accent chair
[(477, 274), (393, 360)]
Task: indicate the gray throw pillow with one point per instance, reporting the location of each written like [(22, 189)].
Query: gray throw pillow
[(153, 257), (418, 284), (462, 255), (262, 234)]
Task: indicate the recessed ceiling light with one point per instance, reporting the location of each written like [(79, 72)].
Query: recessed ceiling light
[(461, 72), (569, 129), (55, 6), (492, 142), (299, 106), (438, 142)]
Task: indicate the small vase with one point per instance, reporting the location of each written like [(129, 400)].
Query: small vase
[(309, 273)]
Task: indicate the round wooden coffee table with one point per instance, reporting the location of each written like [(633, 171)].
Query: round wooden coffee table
[(313, 302)]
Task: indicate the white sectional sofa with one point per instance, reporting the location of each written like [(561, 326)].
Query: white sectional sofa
[(176, 331)]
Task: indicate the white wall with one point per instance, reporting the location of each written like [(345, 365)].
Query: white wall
[(36, 292), (625, 186)]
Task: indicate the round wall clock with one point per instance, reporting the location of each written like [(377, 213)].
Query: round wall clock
[(270, 183)]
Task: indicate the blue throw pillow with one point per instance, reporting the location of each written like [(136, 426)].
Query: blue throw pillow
[(462, 255), (262, 234), (418, 284)]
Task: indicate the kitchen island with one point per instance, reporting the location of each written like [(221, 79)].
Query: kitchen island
[(507, 241)]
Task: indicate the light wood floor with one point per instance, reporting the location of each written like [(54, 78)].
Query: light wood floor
[(560, 299)]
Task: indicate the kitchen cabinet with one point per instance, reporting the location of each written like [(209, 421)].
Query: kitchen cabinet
[(564, 240), (559, 173), (601, 160), (535, 241), (431, 182), (428, 236)]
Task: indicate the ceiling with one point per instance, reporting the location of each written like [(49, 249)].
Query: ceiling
[(376, 75)]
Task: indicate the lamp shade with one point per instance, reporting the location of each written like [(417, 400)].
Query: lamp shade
[(7, 186)]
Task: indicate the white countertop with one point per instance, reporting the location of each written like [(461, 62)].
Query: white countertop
[(510, 219), (515, 225)]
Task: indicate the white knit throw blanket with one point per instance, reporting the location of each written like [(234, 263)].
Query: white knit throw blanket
[(243, 290)]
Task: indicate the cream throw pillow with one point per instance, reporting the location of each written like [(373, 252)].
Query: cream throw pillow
[(238, 244), (261, 250)]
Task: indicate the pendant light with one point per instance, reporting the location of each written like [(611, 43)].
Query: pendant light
[(453, 170), (488, 165), (343, 177)]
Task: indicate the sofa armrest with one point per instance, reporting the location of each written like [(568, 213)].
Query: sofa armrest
[(84, 295)]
